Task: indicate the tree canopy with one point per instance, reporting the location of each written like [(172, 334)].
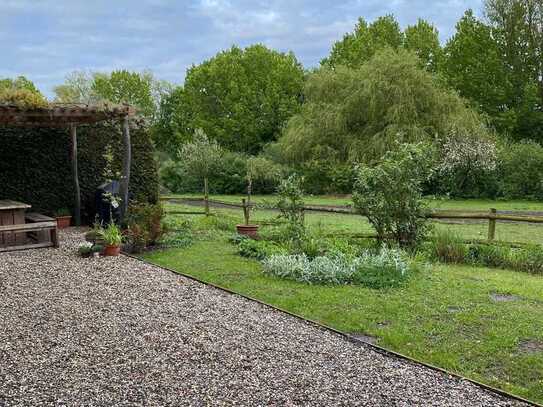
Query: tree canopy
[(240, 97), (357, 115), (361, 45)]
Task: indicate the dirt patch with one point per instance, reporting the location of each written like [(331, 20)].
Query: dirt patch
[(500, 297), (530, 346)]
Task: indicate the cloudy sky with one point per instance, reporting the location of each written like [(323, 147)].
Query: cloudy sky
[(46, 39)]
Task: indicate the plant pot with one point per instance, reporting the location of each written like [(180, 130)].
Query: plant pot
[(63, 221), (112, 250), (248, 230)]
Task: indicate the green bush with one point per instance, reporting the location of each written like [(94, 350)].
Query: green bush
[(447, 246), (144, 225), (490, 255), (35, 165), (390, 194), (387, 269), (521, 170)]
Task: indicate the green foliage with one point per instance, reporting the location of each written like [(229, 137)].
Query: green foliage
[(447, 246), (474, 67), (141, 90), (291, 207), (521, 170), (353, 115), (22, 98), (45, 171), (385, 269), (144, 223), (390, 194), (241, 98), (366, 40), (201, 155), (111, 235), (259, 249)]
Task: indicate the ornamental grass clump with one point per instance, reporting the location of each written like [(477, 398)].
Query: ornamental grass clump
[(388, 268)]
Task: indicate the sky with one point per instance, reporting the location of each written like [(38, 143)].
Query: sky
[(47, 39)]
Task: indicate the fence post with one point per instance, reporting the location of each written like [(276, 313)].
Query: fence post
[(492, 225)]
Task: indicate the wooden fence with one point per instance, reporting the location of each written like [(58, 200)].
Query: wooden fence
[(492, 215)]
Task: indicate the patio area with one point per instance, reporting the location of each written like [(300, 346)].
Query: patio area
[(117, 331)]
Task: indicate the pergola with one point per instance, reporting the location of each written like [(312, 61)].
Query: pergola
[(70, 116)]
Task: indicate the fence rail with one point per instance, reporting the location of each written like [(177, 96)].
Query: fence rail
[(492, 215)]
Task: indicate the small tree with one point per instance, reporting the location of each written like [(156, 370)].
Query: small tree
[(202, 156), (390, 194), (291, 206)]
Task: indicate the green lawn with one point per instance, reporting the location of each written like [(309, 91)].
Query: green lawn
[(444, 316)]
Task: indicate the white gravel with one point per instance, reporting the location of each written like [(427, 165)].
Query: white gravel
[(115, 331)]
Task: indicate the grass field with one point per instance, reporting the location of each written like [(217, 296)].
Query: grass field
[(345, 223), (452, 204), (446, 315)]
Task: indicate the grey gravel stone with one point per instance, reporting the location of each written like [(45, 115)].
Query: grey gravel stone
[(115, 331)]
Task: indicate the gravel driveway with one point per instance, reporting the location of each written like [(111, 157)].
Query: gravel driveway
[(115, 331)]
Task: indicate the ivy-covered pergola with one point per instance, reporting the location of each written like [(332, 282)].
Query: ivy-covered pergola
[(70, 116)]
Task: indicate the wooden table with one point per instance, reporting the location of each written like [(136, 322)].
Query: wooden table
[(12, 213)]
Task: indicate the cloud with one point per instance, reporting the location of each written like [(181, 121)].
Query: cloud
[(47, 39)]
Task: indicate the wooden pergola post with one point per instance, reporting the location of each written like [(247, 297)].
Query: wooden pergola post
[(75, 174), (127, 159)]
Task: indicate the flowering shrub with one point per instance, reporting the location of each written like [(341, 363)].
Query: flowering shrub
[(388, 268), (467, 165)]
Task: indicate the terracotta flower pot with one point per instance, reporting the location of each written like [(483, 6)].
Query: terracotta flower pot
[(63, 221), (248, 230), (112, 250)]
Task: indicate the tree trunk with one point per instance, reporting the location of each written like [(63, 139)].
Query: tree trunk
[(77, 191), (127, 158)]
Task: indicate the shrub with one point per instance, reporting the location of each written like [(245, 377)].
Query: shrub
[(144, 224), (382, 270), (490, 255), (528, 259), (385, 269), (521, 170), (390, 194), (447, 246)]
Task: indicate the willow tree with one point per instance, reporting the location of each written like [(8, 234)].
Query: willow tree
[(356, 115)]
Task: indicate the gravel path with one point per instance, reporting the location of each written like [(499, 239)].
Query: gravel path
[(115, 331)]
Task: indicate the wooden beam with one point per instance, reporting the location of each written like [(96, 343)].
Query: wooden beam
[(127, 162), (77, 191), (28, 227)]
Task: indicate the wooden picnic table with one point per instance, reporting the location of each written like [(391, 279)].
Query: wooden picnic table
[(12, 213), (20, 230)]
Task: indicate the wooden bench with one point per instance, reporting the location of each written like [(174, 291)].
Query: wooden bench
[(44, 228)]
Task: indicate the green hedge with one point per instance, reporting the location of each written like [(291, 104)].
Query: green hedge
[(35, 165)]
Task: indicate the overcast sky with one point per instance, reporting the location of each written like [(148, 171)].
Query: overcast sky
[(46, 39)]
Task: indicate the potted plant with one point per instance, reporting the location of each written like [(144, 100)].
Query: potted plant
[(63, 217), (258, 168), (85, 250), (112, 237)]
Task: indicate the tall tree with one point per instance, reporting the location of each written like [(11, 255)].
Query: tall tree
[(518, 28), (359, 46), (423, 39), (356, 115), (473, 65), (241, 97), (141, 90)]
